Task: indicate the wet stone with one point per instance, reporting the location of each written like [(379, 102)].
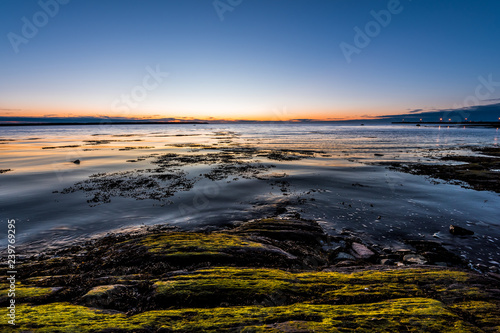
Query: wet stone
[(388, 262), (361, 251), (414, 259), (104, 296), (344, 256), (459, 231)]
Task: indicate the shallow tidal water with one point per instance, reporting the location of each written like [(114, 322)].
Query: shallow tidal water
[(330, 173)]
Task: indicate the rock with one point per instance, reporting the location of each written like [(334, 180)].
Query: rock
[(494, 275), (388, 262), (346, 263), (284, 230), (459, 231), (435, 252), (482, 267), (76, 161), (414, 259), (402, 252), (333, 247), (361, 252), (103, 296), (345, 232), (344, 256), (441, 263)]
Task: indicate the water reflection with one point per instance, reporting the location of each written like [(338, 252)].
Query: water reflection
[(338, 184)]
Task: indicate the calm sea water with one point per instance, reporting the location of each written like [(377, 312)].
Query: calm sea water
[(342, 187)]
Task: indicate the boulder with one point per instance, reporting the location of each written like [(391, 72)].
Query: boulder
[(387, 262), (459, 231), (104, 296), (344, 256), (414, 259), (360, 251)]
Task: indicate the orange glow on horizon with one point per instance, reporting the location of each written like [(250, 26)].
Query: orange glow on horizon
[(273, 115)]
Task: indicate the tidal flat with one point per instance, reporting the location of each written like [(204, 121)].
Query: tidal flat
[(247, 228)]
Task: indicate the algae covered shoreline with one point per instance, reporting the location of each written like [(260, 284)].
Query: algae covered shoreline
[(334, 255), (269, 275)]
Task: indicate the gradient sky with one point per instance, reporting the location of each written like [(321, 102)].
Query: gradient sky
[(268, 59)]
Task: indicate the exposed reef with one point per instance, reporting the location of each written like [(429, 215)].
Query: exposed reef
[(266, 275), (480, 172)]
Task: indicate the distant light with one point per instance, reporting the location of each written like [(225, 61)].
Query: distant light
[(449, 119), (440, 119)]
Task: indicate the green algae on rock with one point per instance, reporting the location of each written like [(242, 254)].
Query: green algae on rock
[(405, 314), (251, 278), (175, 243)]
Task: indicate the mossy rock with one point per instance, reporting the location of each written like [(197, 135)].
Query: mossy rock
[(407, 314), (25, 293), (182, 243), (284, 230), (247, 286), (106, 296), (248, 279)]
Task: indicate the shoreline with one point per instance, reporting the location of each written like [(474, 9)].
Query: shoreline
[(269, 265), (492, 124), (107, 123)]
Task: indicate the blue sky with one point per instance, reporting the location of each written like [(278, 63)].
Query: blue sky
[(271, 59)]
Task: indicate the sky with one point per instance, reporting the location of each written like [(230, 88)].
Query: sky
[(246, 59)]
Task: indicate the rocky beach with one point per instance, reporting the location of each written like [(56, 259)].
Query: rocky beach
[(269, 275), (318, 238)]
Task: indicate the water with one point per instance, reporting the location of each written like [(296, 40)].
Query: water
[(342, 187)]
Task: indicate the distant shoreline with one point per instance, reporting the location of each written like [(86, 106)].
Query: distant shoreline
[(465, 123), (477, 123), (110, 123)]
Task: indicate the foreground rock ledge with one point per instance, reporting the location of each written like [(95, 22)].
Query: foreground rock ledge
[(267, 275)]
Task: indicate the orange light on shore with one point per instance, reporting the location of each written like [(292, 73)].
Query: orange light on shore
[(440, 119)]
